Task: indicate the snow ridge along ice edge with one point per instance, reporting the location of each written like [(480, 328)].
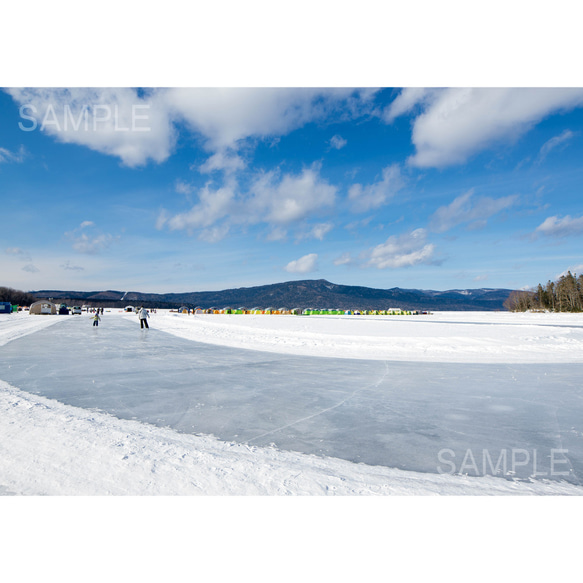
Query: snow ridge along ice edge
[(449, 337)]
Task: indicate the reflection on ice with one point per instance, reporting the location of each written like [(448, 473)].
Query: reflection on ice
[(513, 420)]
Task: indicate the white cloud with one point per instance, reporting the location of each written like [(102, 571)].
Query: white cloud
[(276, 234), (8, 156), (225, 116), (118, 122), (344, 259), (162, 219), (84, 243), (108, 120), (480, 278), (467, 208), (375, 195), (575, 270), (338, 142), (555, 142), (318, 231), (275, 199), (406, 102), (214, 204), (402, 251), (556, 227), (214, 234), (289, 198), (356, 225), (321, 230), (305, 264), (457, 123), (88, 240), (182, 187), (224, 160)]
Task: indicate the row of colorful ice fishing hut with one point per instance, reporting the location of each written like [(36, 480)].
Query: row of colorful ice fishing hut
[(301, 311)]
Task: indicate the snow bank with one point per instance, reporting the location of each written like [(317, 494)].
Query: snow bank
[(20, 324), (478, 337)]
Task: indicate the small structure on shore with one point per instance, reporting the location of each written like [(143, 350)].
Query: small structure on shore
[(43, 307)]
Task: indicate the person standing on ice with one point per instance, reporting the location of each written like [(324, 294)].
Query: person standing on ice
[(96, 319), (143, 315)]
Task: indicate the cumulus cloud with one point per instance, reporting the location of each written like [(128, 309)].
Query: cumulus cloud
[(226, 116), (457, 123), (305, 264), (140, 126), (223, 160), (377, 194), (89, 240), (338, 142), (468, 208), (560, 141), (557, 227), (279, 200), (406, 101), (213, 205), (403, 250), (117, 121), (289, 198)]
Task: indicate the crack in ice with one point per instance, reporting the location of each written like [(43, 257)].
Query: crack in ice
[(375, 384)]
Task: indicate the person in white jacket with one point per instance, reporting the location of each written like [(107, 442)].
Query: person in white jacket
[(143, 315)]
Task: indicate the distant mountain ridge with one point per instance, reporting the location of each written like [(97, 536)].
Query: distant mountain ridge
[(314, 293)]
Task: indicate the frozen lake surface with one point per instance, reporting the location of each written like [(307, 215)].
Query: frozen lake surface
[(421, 416)]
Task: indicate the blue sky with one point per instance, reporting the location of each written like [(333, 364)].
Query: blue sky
[(172, 190)]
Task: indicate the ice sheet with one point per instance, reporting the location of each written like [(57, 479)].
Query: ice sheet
[(415, 416)]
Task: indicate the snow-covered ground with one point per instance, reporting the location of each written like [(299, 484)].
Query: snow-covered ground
[(13, 326), (47, 447), (477, 337)]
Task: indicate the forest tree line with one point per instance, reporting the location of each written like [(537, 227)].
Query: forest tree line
[(563, 295), (16, 297)]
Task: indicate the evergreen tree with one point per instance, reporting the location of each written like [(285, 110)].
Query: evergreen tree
[(563, 295)]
